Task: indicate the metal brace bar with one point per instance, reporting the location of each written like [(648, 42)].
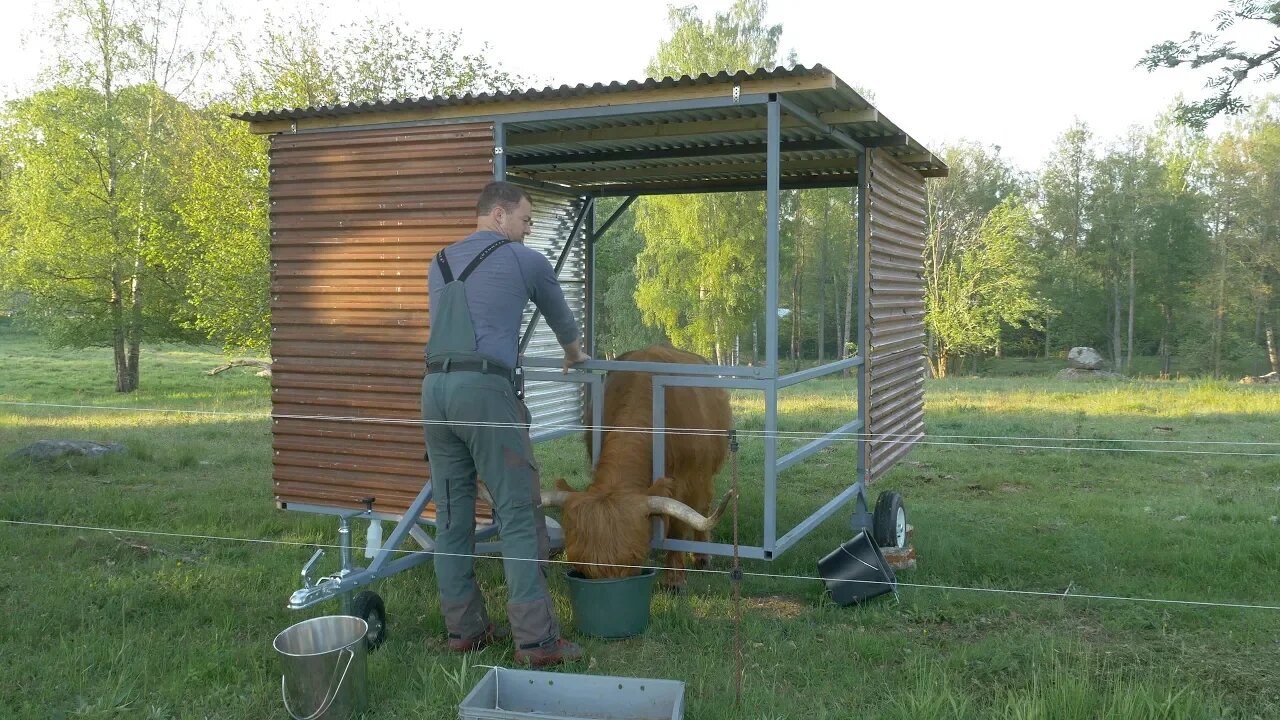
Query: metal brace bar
[(614, 217), (821, 514), (814, 446), (821, 370)]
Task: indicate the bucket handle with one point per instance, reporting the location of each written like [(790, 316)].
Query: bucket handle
[(330, 695)]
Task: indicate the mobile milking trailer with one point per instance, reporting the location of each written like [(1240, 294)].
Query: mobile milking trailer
[(362, 196)]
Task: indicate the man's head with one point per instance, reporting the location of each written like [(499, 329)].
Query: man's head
[(505, 209)]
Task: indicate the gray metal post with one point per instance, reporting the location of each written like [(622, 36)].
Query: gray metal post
[(773, 171), (344, 550), (659, 427), (659, 424), (864, 183), (590, 323), (499, 151), (597, 419)]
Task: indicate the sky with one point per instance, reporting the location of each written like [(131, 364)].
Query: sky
[(1011, 73)]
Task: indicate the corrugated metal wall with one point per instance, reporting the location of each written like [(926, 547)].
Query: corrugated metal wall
[(356, 217), (895, 312)]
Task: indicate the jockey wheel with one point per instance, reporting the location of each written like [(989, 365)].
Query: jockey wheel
[(889, 524), (368, 606)]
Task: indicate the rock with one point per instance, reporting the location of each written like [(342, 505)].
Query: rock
[(1082, 374), (1085, 358), (1271, 377), (54, 449)]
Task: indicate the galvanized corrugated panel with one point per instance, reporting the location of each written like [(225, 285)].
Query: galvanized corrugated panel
[(554, 216), (355, 219), (895, 312)]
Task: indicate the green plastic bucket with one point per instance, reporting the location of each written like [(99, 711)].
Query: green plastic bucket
[(612, 609)]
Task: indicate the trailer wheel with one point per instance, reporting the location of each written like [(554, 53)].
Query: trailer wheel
[(889, 526), (368, 606)]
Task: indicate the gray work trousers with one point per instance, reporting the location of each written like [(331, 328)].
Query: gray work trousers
[(487, 435)]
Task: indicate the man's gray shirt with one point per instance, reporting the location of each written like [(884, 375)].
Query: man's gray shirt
[(499, 289)]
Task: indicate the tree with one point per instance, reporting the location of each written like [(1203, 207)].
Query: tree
[(618, 324), (1118, 208), (958, 207), (366, 61), (699, 276), (1070, 285), (1260, 224), (1177, 244), (1232, 64), (92, 215), (225, 246), (989, 281)]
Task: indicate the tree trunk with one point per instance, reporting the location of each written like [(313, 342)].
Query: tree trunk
[(755, 343), (1166, 360), (1128, 361), (1117, 348), (835, 309), (1273, 355), (1219, 315), (117, 333), (1048, 348), (822, 279), (795, 316), (134, 334)]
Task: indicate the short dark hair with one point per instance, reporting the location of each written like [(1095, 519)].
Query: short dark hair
[(500, 193)]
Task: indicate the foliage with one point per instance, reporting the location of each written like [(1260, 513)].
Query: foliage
[(225, 246), (367, 61), (960, 216), (988, 281), (699, 275), (1233, 64), (619, 324)]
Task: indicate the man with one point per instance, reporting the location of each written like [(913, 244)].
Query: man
[(475, 424)]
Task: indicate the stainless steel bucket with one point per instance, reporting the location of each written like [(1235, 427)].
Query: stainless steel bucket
[(324, 664)]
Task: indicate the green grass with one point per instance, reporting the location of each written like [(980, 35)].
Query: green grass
[(135, 626)]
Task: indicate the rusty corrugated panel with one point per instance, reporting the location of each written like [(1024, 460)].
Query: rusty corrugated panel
[(895, 312), (355, 219)]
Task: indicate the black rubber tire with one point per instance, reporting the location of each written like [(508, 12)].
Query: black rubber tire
[(368, 606), (885, 528)]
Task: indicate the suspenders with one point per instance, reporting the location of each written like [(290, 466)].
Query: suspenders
[(447, 272)]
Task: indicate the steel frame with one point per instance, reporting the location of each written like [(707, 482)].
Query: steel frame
[(765, 379)]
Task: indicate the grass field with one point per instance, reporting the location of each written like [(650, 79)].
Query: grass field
[(129, 625)]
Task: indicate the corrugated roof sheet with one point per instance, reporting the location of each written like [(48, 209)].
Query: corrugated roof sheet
[(664, 145), (547, 93)]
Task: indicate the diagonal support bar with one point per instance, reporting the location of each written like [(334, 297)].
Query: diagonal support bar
[(614, 217)]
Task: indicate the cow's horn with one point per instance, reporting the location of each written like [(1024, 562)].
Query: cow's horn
[(686, 514), (554, 498)]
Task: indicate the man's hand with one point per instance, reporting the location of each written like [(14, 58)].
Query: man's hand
[(573, 355)]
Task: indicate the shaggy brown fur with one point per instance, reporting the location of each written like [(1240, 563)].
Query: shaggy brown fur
[(609, 522)]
